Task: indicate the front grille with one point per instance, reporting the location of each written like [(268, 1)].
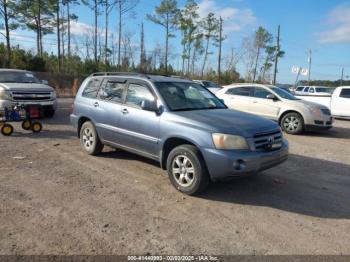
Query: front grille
[(31, 96), (318, 122), (268, 140), (326, 111)]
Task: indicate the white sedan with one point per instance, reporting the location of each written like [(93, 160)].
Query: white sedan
[(293, 114)]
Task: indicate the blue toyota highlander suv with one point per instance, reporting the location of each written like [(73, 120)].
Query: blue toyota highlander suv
[(177, 122)]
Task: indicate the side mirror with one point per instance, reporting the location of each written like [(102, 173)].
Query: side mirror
[(45, 82), (272, 97), (149, 105)]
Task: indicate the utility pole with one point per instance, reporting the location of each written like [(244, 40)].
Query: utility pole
[(309, 61), (342, 76), (142, 56), (219, 61), (277, 54), (58, 36)]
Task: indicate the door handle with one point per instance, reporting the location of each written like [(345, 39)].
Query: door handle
[(255, 102), (125, 111), (96, 104)]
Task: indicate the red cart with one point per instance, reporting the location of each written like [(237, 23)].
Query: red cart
[(27, 114)]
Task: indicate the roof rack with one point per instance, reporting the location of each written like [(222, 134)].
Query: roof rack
[(147, 75), (120, 74)]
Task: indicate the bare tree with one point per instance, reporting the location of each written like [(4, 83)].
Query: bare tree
[(70, 16), (7, 12), (94, 6), (166, 15), (123, 7)]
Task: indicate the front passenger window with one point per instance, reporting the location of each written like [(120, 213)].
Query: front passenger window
[(138, 93), (261, 92)]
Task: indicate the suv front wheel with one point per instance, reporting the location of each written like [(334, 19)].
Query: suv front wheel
[(89, 139), (187, 170)]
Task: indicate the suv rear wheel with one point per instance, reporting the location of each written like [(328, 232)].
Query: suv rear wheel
[(89, 139), (187, 170), (292, 123)]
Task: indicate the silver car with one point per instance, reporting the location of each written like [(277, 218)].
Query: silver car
[(22, 87), (293, 114)]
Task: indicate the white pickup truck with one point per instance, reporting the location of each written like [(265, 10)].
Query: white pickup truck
[(338, 102)]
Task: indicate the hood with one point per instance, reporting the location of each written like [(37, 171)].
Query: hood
[(27, 87), (303, 103), (226, 121)]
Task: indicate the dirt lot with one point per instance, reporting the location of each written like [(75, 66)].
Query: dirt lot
[(54, 199)]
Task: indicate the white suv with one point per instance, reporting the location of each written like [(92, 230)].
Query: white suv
[(293, 114)]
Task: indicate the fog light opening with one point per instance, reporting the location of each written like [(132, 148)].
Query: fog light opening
[(239, 164)]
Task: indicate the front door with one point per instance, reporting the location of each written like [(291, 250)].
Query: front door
[(341, 103), (263, 106), (139, 128)]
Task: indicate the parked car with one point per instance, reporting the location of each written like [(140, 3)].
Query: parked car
[(178, 123), (212, 87), (293, 114), (339, 102), (23, 88), (313, 91)]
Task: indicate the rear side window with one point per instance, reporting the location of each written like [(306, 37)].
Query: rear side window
[(137, 93), (311, 90), (345, 93), (306, 89), (240, 91), (112, 91), (91, 88)]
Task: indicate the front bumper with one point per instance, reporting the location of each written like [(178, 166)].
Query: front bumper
[(46, 105), (323, 122), (225, 163)]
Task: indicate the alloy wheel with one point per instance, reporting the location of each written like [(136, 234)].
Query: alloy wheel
[(183, 171)]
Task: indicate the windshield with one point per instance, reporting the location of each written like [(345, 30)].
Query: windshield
[(210, 84), (283, 93), (323, 90), (17, 77), (183, 96)]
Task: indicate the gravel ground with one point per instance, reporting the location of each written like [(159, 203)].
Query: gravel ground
[(55, 199)]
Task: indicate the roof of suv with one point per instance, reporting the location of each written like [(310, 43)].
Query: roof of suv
[(153, 78), (12, 70)]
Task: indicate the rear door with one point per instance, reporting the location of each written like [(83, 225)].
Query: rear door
[(108, 106), (139, 128), (239, 98), (265, 107), (341, 102)]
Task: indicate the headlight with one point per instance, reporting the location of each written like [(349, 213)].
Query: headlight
[(53, 95), (229, 142), (314, 110), (4, 95)]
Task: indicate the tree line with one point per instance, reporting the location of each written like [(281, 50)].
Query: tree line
[(200, 39)]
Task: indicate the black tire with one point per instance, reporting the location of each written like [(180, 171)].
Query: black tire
[(192, 182), (7, 129), (50, 113), (292, 123), (89, 139), (26, 124), (36, 127)]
